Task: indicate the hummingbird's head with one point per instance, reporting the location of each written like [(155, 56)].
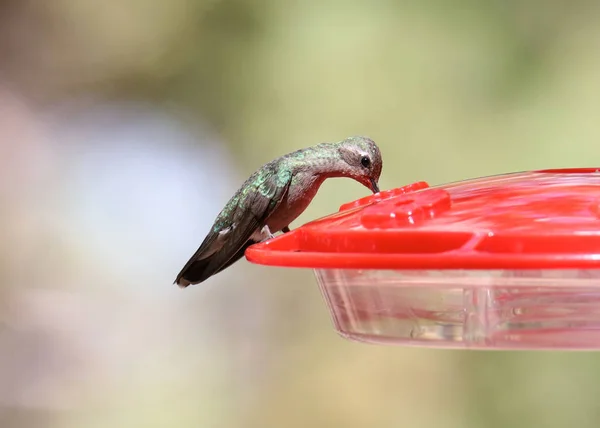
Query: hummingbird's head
[(362, 161)]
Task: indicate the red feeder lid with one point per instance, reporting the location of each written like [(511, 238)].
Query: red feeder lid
[(532, 220)]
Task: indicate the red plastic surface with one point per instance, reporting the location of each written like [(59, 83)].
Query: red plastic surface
[(541, 219)]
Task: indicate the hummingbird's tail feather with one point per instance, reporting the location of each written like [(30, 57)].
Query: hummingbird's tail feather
[(200, 270), (196, 272)]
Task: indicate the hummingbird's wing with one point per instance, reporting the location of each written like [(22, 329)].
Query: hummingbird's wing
[(250, 209)]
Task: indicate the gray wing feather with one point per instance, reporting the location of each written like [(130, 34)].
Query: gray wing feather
[(249, 215)]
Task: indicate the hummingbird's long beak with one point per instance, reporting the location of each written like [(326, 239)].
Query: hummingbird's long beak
[(374, 186)]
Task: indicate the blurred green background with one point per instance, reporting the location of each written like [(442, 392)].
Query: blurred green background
[(125, 127)]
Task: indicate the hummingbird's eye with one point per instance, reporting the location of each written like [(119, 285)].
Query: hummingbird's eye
[(365, 161)]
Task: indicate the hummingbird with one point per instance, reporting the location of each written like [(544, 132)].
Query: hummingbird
[(274, 196)]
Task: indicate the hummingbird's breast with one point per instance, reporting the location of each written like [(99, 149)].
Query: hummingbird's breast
[(302, 190)]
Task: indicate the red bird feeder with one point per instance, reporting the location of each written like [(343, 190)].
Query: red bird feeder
[(506, 262)]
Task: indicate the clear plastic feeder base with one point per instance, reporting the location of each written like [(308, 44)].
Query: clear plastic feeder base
[(535, 309)]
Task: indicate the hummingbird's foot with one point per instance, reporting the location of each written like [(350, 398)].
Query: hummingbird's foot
[(266, 232), (285, 229)]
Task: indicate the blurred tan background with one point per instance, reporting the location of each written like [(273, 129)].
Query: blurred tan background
[(126, 125)]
